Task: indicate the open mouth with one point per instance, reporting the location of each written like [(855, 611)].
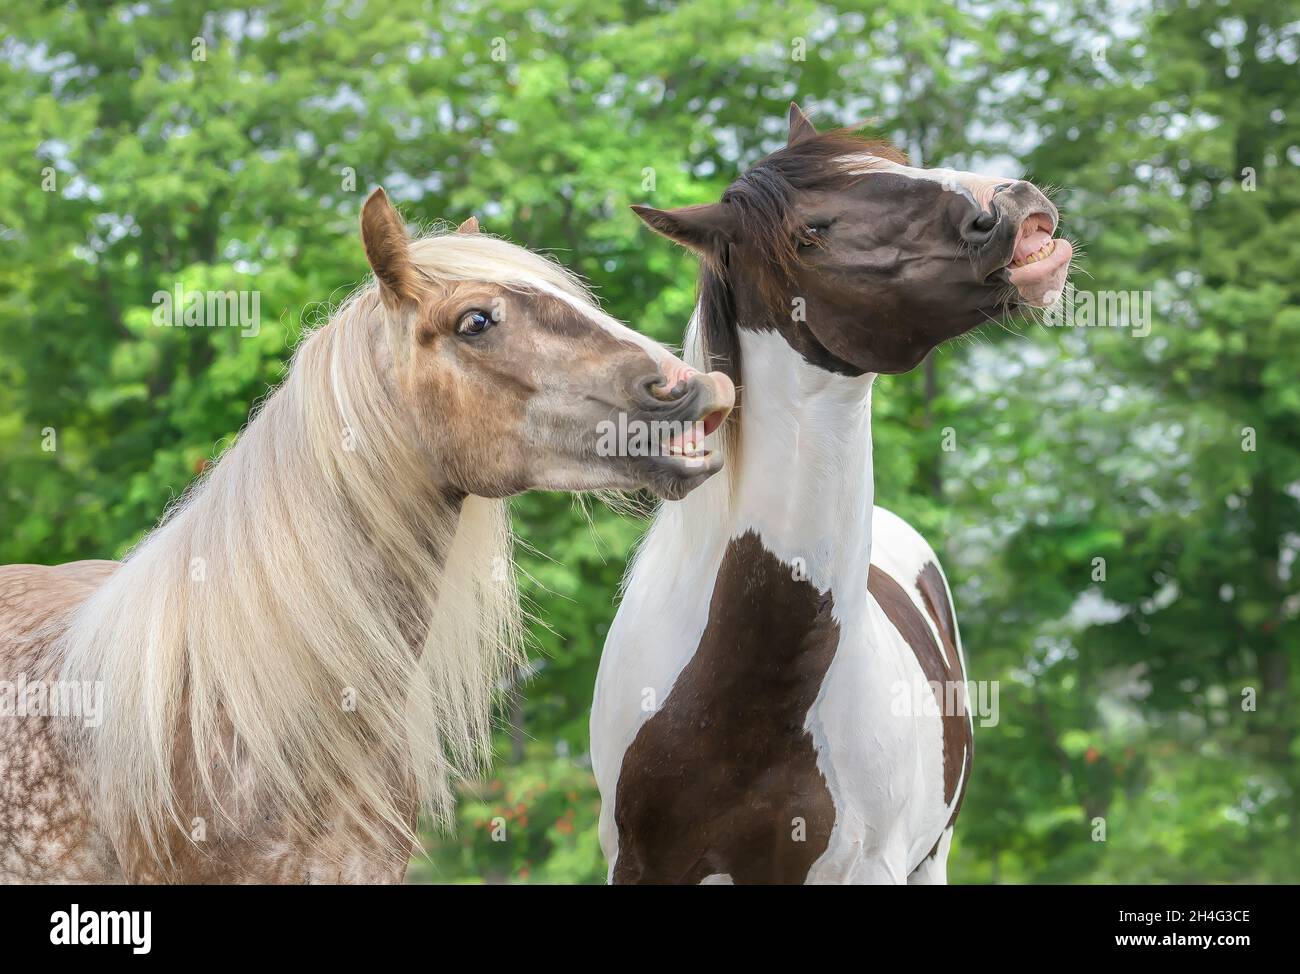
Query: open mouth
[(675, 460), (689, 443), (1040, 262), (681, 462)]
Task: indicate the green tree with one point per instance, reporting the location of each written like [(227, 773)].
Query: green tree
[(162, 144)]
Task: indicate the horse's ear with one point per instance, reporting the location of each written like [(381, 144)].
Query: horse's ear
[(801, 129), (469, 226), (701, 228), (387, 248)]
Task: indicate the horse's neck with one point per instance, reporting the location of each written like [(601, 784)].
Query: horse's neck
[(804, 482), (299, 569), (389, 543)]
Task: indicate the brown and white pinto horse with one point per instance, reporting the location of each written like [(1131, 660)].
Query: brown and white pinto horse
[(764, 708), (304, 652)]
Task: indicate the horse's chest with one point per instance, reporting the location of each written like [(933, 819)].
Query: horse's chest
[(723, 778)]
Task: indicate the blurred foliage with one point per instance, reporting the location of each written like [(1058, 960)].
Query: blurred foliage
[(155, 143)]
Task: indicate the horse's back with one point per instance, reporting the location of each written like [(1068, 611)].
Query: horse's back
[(34, 599), (899, 552), (904, 565), (898, 548)]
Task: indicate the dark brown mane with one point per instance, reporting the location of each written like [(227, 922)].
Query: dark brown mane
[(761, 198), (761, 201)]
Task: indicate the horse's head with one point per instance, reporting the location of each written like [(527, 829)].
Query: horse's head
[(864, 263), (517, 380)]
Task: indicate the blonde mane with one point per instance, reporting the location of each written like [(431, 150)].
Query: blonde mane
[(312, 632)]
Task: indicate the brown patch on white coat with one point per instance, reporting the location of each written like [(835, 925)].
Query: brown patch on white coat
[(886, 262)]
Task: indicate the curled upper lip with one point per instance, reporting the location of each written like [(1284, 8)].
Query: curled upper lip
[(689, 441), (719, 397)]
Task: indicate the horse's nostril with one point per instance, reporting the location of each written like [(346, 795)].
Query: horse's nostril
[(660, 391), (985, 222)]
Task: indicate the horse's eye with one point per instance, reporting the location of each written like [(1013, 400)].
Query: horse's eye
[(474, 323), (812, 237)]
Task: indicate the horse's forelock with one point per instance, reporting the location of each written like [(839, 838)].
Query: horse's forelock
[(441, 257)]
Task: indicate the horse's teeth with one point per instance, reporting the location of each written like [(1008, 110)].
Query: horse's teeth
[(691, 448)]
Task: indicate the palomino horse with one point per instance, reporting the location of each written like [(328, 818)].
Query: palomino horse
[(747, 724), (303, 654)]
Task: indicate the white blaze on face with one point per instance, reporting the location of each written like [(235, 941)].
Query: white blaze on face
[(670, 366), (972, 185), (1039, 262)]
